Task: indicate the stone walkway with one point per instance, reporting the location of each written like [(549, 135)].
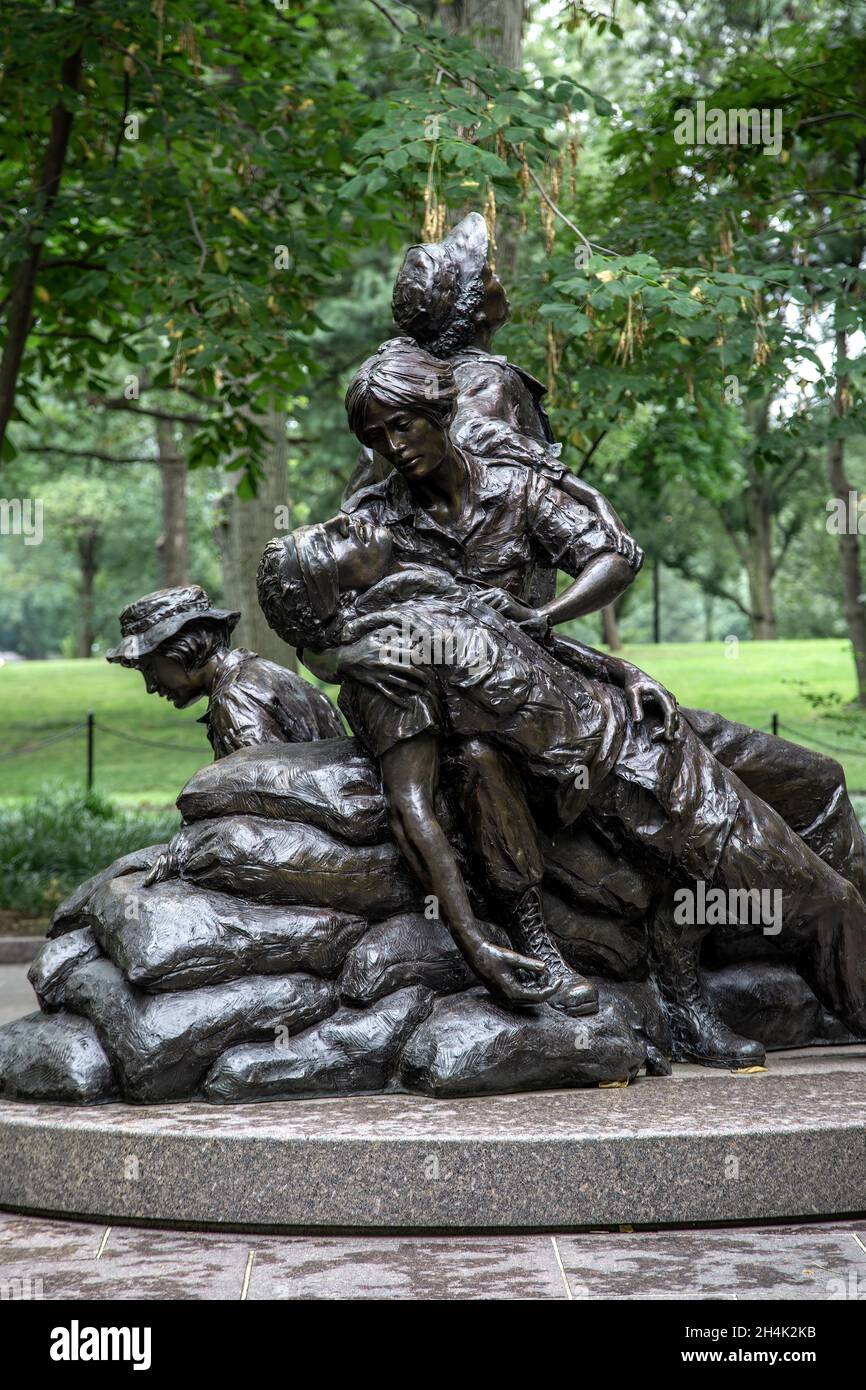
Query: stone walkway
[(16, 994), (67, 1259), (56, 1259)]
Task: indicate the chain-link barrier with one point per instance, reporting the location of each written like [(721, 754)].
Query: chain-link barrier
[(809, 737), (148, 742)]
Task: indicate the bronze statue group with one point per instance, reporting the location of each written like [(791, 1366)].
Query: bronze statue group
[(430, 599)]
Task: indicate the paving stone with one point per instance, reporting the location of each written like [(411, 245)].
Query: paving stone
[(407, 1267), (67, 1259), (760, 1262), (16, 993), (785, 1262)]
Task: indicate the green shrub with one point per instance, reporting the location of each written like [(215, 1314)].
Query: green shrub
[(56, 839)]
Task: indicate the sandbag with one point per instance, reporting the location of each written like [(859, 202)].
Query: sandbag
[(286, 862), (72, 914), (640, 1002), (353, 1051), (55, 961), (162, 1045), (174, 935), (772, 1003), (55, 1057), (469, 1045), (739, 945), (331, 783), (409, 949), (596, 944)]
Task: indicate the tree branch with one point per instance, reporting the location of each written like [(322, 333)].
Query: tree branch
[(121, 403), (126, 91), (709, 585), (788, 534), (591, 450), (94, 455), (557, 211)]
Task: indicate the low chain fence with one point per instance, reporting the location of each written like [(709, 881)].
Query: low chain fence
[(799, 734), (89, 727)]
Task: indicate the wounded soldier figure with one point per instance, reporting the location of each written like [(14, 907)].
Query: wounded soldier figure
[(333, 591)]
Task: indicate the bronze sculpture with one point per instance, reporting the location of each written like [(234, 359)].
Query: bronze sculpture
[(668, 795), (482, 890), (181, 645), (448, 300)]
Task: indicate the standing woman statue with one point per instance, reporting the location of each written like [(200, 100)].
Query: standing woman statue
[(449, 300)]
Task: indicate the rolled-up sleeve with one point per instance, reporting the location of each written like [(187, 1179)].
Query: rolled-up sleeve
[(566, 532)]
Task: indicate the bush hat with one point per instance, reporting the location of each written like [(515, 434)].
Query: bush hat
[(151, 620)]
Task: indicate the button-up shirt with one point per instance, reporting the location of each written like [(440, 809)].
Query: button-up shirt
[(513, 524), (255, 701)]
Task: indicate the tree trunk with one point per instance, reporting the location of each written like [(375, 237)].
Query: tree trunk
[(709, 603), (20, 311), (849, 544), (496, 26), (657, 599), (759, 568), (244, 531), (88, 545), (610, 628), (172, 545)]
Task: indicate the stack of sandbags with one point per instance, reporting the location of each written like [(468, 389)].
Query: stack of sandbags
[(331, 784), (288, 862), (174, 936), (290, 952)]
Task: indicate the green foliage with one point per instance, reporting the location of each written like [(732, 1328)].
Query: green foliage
[(270, 145), (58, 838), (40, 584), (718, 273), (728, 259)]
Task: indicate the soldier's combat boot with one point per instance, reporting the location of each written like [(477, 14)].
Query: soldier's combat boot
[(699, 1035), (575, 996)]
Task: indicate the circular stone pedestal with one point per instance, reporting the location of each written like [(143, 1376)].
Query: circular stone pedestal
[(696, 1147)]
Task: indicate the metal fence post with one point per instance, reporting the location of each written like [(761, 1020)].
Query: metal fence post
[(90, 750), (774, 724)]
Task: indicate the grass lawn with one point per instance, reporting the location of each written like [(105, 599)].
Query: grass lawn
[(39, 699), (808, 684)]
